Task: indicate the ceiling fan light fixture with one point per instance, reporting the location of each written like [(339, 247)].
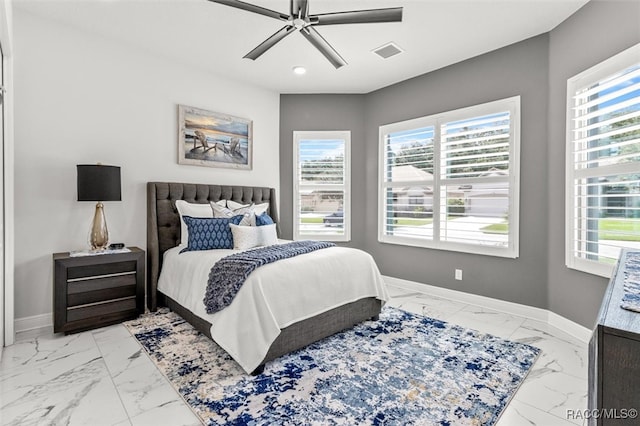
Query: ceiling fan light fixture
[(299, 70)]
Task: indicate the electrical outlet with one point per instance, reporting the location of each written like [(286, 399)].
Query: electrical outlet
[(459, 274)]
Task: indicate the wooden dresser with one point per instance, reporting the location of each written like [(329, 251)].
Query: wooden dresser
[(614, 358), (94, 291)]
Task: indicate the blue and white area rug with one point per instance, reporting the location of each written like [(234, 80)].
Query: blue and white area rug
[(404, 369)]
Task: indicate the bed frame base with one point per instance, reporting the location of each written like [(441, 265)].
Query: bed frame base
[(299, 334)]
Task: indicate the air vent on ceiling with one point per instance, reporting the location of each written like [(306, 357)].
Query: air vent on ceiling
[(388, 50)]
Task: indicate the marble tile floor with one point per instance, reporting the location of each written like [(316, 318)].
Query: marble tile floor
[(103, 377), (557, 384)]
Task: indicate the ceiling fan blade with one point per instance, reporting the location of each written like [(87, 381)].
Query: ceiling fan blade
[(325, 48), (270, 42), (299, 8), (253, 8), (393, 14)]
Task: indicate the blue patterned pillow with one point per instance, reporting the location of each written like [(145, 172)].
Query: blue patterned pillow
[(263, 219), (209, 233)]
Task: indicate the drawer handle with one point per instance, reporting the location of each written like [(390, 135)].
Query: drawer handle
[(95, 277), (103, 302)]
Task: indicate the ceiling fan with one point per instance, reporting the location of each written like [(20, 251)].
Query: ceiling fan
[(300, 20)]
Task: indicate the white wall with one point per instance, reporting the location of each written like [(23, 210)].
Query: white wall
[(6, 285), (83, 99)]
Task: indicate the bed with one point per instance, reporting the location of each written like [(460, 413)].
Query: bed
[(163, 237)]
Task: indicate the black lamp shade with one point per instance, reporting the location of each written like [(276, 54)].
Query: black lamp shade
[(98, 183)]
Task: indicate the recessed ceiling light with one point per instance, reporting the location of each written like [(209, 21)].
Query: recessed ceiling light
[(299, 70)]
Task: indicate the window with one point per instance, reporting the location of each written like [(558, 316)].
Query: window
[(450, 181), (321, 193), (603, 163)]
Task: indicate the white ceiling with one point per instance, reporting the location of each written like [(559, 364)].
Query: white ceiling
[(214, 37)]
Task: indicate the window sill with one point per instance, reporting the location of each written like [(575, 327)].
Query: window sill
[(510, 253)]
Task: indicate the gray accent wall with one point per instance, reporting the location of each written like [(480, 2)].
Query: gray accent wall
[(520, 69), (323, 112), (535, 69), (594, 33)]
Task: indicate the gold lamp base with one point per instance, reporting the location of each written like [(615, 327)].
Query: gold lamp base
[(99, 235)]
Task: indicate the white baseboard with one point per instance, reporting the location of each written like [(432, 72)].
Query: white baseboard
[(35, 322), (574, 329), (45, 321)]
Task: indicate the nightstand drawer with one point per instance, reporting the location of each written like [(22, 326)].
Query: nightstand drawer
[(88, 271), (100, 309), (100, 289)]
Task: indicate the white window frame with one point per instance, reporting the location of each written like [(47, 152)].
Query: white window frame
[(437, 120), (587, 78), (346, 186)]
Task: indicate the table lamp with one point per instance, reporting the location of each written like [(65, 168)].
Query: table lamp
[(97, 182)]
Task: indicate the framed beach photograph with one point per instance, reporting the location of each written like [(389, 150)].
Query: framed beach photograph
[(213, 139)]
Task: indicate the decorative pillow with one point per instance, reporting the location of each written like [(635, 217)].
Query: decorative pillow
[(235, 205), (247, 213), (194, 210), (263, 219), (246, 237), (209, 233), (258, 209)]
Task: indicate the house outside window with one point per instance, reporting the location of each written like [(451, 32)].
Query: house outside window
[(322, 185), (450, 181), (603, 163)]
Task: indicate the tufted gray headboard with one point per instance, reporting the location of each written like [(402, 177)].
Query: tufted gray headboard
[(163, 222)]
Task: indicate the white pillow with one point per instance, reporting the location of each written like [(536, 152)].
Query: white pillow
[(194, 210), (233, 205), (249, 217), (258, 209), (246, 237)]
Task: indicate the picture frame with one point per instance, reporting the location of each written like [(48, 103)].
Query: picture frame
[(213, 139)]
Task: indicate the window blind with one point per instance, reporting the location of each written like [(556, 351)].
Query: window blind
[(603, 179), (321, 199), (408, 182), (475, 176), (446, 180)]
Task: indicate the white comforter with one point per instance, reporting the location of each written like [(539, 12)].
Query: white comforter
[(273, 297)]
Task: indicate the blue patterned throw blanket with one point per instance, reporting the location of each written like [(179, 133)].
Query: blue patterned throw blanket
[(229, 273)]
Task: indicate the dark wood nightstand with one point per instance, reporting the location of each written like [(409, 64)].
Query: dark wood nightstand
[(95, 291)]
